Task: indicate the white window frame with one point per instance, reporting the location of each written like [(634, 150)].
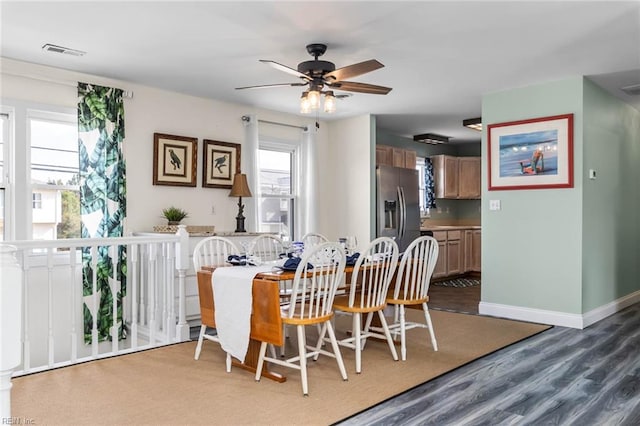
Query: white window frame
[(7, 177), (292, 148), (18, 187)]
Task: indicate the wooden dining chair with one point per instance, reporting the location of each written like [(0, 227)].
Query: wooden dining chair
[(311, 304), (211, 251), (411, 287), (367, 292)]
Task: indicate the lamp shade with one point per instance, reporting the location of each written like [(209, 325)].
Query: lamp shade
[(240, 187)]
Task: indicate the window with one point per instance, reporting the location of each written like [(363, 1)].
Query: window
[(276, 197), (422, 186), (39, 197), (54, 175), (36, 200)]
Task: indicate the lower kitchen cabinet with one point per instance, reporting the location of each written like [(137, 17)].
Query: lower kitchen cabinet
[(472, 248), (458, 252)]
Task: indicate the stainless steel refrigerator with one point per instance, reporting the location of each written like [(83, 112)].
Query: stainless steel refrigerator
[(397, 204)]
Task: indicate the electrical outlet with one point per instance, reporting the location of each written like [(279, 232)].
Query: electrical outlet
[(213, 210), (494, 205)]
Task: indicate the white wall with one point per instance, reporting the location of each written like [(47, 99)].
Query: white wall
[(345, 180), (152, 110)]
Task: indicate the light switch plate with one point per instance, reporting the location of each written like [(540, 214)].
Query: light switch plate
[(592, 174)]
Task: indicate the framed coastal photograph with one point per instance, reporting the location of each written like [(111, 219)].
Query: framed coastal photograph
[(175, 160), (221, 161), (531, 154)]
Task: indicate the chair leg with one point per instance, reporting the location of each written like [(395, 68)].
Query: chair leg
[(387, 333), (263, 351), (425, 308), (228, 363), (357, 341), (320, 342), (284, 341), (203, 328), (336, 350), (303, 359), (403, 332)]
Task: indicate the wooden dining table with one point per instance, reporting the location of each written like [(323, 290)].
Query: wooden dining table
[(266, 320)]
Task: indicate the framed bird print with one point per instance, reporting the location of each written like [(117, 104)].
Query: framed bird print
[(175, 160), (221, 161)]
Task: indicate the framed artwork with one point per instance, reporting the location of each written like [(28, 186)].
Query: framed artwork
[(221, 161), (531, 154), (174, 160)]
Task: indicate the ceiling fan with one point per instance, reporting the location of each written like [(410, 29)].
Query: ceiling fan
[(319, 75)]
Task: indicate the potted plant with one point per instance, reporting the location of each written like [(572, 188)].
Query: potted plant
[(174, 215)]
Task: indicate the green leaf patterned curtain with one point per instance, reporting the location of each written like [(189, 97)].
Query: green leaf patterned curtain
[(102, 202)]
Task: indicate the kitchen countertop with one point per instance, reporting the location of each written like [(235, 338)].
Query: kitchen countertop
[(448, 227)]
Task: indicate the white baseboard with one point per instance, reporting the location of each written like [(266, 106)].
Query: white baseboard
[(562, 319)]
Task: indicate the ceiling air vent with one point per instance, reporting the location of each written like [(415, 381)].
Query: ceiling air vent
[(65, 50), (632, 90)]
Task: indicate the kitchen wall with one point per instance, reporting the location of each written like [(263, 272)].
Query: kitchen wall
[(563, 256)]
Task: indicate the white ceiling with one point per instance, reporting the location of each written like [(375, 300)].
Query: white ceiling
[(439, 57)]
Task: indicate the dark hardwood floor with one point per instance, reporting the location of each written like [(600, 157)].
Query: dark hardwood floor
[(454, 299), (562, 376)]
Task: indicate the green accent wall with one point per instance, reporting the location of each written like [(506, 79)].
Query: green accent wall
[(566, 250), (611, 222)]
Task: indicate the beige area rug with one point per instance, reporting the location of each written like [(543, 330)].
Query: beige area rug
[(167, 386)]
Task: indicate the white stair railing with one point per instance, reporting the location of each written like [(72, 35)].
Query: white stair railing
[(53, 326)]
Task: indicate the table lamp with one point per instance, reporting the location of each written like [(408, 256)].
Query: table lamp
[(240, 189)]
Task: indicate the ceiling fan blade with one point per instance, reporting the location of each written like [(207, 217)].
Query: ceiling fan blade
[(352, 86), (354, 70), (285, 68), (266, 86)]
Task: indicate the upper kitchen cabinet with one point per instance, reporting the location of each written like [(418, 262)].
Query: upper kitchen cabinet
[(396, 157), (456, 177)]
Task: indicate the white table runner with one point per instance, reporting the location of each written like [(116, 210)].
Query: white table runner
[(233, 300)]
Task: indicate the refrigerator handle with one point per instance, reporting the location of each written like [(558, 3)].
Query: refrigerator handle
[(403, 212)]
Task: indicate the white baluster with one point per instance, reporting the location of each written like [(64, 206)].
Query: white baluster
[(114, 286), (170, 285), (133, 288), (51, 342), (74, 304), (94, 301), (11, 305), (26, 358), (182, 265), (151, 289)]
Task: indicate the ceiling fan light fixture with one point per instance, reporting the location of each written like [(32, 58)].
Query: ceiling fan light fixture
[(329, 102), (473, 123), (431, 139), (314, 99), (305, 106)]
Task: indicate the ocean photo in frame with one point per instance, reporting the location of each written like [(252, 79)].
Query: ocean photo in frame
[(531, 154)]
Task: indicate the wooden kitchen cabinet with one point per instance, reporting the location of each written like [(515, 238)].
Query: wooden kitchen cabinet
[(384, 155), (396, 157), (450, 259), (456, 177), (472, 249)]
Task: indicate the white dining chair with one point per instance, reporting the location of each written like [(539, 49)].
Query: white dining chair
[(312, 239), (367, 292), (311, 304), (411, 287), (211, 251), (266, 247)]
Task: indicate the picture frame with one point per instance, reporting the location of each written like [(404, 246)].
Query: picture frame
[(220, 163), (531, 154), (175, 160)]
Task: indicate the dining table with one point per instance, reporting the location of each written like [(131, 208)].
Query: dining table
[(266, 320)]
